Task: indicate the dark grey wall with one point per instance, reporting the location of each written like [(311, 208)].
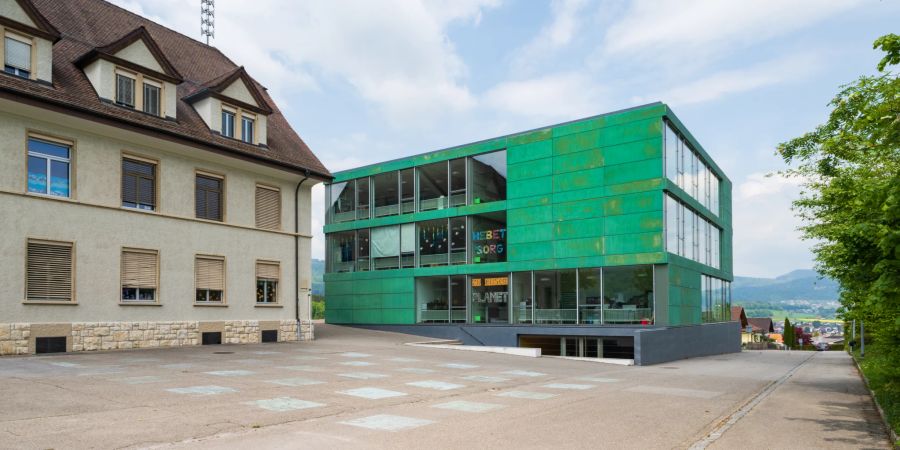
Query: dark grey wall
[(652, 345)]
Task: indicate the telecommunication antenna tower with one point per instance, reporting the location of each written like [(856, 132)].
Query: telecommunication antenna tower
[(208, 19)]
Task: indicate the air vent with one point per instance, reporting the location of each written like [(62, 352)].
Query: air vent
[(50, 344), (212, 338), (270, 335)]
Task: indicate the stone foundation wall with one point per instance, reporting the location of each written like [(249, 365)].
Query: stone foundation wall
[(14, 338), (18, 338)]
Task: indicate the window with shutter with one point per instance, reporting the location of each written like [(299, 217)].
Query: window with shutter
[(140, 275), (268, 208), (17, 56), (138, 184), (209, 273), (208, 196), (125, 90), (151, 98), (49, 271), (267, 274)]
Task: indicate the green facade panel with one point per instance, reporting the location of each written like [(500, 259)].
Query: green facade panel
[(587, 193)]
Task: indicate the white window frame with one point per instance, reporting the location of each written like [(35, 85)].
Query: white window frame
[(134, 85), (234, 115), (48, 159), (252, 119), (159, 99), (24, 39)]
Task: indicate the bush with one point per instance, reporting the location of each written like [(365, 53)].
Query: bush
[(318, 310), (881, 375)]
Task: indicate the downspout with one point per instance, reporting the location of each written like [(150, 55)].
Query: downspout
[(297, 255)]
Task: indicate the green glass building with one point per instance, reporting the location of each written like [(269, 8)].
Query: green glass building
[(603, 237)]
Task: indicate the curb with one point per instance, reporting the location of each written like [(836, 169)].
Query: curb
[(895, 440)]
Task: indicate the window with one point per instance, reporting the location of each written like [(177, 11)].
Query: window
[(408, 245), (690, 235), (247, 127), (432, 300), (386, 247), (457, 182), (49, 271), (208, 197), (268, 208), (138, 184), (489, 237), (17, 60), (590, 296), (487, 177), (628, 294), (151, 98), (140, 275), (555, 297), (209, 276), (362, 199), (341, 251), (407, 191), (267, 274), (124, 90), (48, 167), (341, 197), (363, 250), (433, 186), (387, 200), (490, 298), (457, 240), (227, 123), (433, 243)]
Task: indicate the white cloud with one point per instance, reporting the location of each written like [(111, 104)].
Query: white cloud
[(766, 240), (695, 28), (556, 96), (394, 53), (566, 21)]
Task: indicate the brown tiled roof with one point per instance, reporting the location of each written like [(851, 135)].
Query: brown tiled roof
[(738, 315), (88, 25), (762, 324)]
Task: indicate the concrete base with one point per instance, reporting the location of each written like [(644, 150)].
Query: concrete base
[(652, 344)]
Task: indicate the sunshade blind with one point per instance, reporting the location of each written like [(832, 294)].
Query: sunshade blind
[(408, 238), (385, 242), (138, 182), (49, 271), (267, 271), (139, 269), (210, 273), (18, 54), (268, 208)]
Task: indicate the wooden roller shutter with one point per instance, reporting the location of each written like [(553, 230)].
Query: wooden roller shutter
[(267, 271), (210, 273), (140, 269), (268, 208), (49, 271)]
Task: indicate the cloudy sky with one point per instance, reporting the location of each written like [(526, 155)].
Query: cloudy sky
[(364, 81)]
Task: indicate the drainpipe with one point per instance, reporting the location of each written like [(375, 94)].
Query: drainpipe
[(297, 254)]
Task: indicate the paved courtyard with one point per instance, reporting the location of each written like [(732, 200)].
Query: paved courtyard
[(365, 389)]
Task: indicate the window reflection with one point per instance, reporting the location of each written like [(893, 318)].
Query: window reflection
[(362, 199), (407, 191), (489, 238), (433, 243), (490, 298), (341, 195), (433, 189), (387, 200), (487, 174), (341, 247)]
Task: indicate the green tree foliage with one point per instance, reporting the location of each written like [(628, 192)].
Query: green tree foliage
[(850, 168), (788, 337)]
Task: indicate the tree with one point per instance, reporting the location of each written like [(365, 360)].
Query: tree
[(850, 205), (789, 339)]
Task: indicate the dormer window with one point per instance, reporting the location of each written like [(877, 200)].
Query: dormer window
[(227, 123), (247, 125), (125, 90), (17, 55), (152, 92)]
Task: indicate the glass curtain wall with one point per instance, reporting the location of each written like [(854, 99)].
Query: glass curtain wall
[(590, 296), (407, 245), (628, 294), (691, 236), (386, 194), (433, 243), (433, 189), (715, 299), (457, 182), (489, 238), (457, 240), (687, 169), (490, 298), (362, 251), (458, 298), (555, 295), (432, 300), (522, 311), (362, 199)]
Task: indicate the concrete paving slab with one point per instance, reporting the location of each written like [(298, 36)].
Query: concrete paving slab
[(577, 387), (282, 404), (526, 395), (659, 390), (436, 385), (203, 390), (388, 422), (372, 393), (363, 375), (295, 382), (230, 373), (468, 407), (485, 379)]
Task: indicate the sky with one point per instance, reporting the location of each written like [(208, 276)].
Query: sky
[(364, 81)]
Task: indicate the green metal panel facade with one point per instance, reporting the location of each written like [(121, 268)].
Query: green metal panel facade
[(587, 193)]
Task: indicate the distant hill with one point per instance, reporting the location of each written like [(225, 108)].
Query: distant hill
[(318, 272), (801, 284)]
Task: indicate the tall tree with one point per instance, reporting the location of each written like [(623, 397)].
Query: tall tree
[(788, 336), (850, 168)]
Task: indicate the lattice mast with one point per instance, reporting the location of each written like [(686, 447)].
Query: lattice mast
[(208, 19)]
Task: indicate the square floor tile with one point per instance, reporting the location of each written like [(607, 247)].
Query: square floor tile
[(485, 379), (64, 364), (470, 407), (372, 393), (387, 422), (405, 360), (526, 394), (302, 368), (202, 390), (363, 375), (436, 385), (355, 355), (416, 370), (178, 366), (577, 387), (282, 404), (295, 382), (142, 380), (230, 373), (308, 357), (459, 366), (599, 380), (266, 352), (523, 373)]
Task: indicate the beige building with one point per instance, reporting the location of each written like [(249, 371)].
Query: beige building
[(151, 192)]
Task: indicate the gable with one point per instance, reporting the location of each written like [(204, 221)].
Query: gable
[(14, 11), (139, 54), (238, 90)]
